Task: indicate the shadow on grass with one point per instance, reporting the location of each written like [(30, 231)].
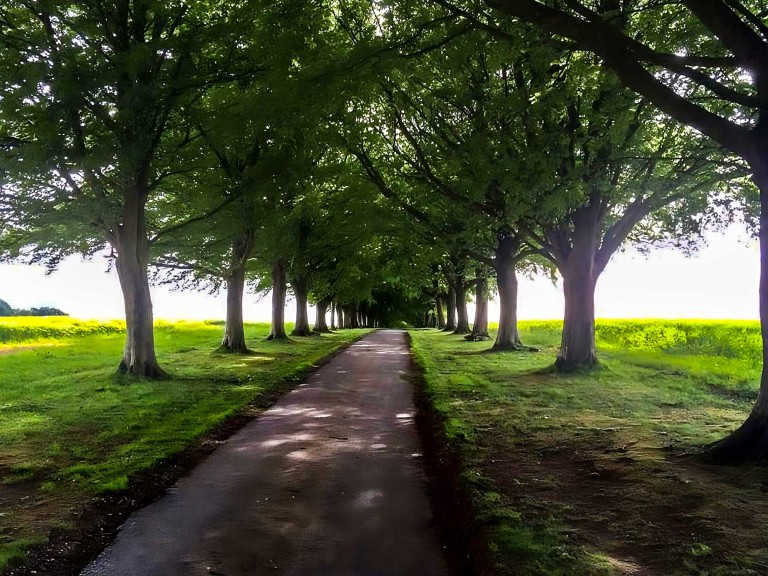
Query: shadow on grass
[(553, 370), (494, 351)]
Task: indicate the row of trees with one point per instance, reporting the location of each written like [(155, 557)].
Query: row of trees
[(379, 157), (7, 310)]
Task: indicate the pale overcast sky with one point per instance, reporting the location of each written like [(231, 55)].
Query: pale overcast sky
[(720, 282)]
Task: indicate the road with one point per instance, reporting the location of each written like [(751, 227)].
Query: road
[(329, 481)]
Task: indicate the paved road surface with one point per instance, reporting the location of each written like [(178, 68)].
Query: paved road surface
[(328, 482)]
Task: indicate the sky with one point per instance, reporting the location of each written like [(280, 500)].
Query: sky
[(719, 282)]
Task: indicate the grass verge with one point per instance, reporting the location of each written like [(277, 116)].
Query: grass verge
[(599, 473), (72, 433)]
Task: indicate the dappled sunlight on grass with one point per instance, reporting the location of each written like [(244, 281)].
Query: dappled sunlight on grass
[(244, 361)]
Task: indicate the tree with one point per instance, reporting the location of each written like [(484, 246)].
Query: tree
[(718, 88), (620, 166), (480, 325), (94, 96), (5, 309), (279, 290)]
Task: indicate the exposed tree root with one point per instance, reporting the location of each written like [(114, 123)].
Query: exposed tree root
[(513, 347), (567, 367), (277, 337), (747, 443), (306, 332), (482, 337), (148, 370), (244, 350)]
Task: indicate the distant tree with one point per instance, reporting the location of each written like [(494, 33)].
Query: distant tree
[(5, 309), (42, 311)]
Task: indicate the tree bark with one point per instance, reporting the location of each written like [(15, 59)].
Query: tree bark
[(132, 247), (333, 314), (450, 323), (354, 321), (577, 347), (277, 331), (507, 336), (480, 325), (300, 290), (440, 313), (321, 310), (750, 440), (234, 332), (462, 316)]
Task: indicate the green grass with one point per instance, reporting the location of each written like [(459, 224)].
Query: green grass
[(556, 464), (69, 428)]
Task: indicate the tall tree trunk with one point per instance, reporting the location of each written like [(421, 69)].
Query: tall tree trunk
[(577, 347), (333, 314), (750, 440), (342, 317), (450, 323), (234, 332), (301, 289), (354, 319), (439, 312), (277, 331), (132, 247), (480, 325), (507, 336), (321, 309), (462, 316)]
